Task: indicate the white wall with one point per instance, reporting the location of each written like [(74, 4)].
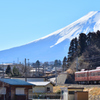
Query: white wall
[(51, 87), (39, 89), (64, 94), (71, 97), (42, 89)]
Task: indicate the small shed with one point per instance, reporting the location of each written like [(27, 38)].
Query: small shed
[(14, 89), (72, 90), (74, 93), (80, 95)]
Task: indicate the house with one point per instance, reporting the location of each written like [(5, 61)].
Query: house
[(42, 87), (14, 89)]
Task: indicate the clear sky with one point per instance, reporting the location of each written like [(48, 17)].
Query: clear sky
[(22, 21)]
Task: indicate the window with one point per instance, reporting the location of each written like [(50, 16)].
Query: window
[(91, 74), (71, 92), (48, 88), (96, 73), (2, 90), (20, 91), (76, 75), (85, 74), (99, 73)]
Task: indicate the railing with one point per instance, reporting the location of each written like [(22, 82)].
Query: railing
[(44, 96)]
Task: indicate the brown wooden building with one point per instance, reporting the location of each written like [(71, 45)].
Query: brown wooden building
[(14, 89)]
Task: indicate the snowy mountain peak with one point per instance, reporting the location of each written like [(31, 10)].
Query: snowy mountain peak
[(55, 45), (89, 22)]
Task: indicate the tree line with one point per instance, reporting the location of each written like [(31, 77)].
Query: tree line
[(78, 46), (14, 72)]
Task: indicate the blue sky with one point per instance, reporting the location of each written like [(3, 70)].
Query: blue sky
[(22, 21)]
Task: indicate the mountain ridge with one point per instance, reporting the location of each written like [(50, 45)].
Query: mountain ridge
[(48, 48)]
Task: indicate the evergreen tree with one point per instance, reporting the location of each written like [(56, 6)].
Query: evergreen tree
[(15, 71), (82, 43), (97, 39), (37, 66), (72, 49), (8, 70), (91, 36), (59, 62), (98, 34), (64, 63), (75, 44), (56, 63), (46, 64)]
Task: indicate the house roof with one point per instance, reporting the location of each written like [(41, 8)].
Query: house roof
[(39, 83), (70, 87), (15, 82)]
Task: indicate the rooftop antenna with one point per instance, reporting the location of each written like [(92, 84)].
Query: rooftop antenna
[(17, 60)]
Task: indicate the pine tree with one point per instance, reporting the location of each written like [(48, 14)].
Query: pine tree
[(75, 44), (72, 49), (8, 70), (56, 63), (82, 43), (59, 62), (64, 63), (91, 36)]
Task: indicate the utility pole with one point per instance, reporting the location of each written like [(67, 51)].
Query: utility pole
[(77, 64), (3, 81), (43, 70), (56, 74), (25, 71)]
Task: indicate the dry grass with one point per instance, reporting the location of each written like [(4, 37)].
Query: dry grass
[(69, 71), (57, 88), (93, 91)]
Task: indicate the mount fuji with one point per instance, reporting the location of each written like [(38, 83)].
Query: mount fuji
[(55, 45)]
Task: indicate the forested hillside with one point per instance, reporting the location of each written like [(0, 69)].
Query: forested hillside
[(87, 49)]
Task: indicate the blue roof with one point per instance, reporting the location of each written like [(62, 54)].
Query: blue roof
[(15, 82)]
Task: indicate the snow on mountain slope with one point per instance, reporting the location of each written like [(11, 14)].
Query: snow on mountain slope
[(55, 45)]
